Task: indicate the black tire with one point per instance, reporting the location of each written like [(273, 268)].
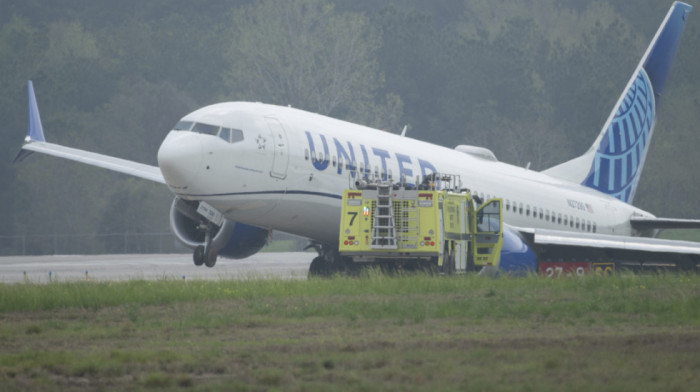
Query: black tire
[(448, 262), (210, 258), (198, 256), (318, 268)]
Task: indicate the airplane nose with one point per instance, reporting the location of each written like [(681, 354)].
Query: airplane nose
[(180, 158)]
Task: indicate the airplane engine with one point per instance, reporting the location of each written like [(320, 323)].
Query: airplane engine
[(233, 240), (244, 241), (517, 257)]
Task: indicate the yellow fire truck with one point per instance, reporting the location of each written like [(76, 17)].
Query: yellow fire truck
[(436, 223)]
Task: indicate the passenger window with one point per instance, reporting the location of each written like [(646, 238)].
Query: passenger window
[(571, 221), (306, 154), (320, 157), (206, 129), (559, 218), (225, 134), (546, 215), (334, 161), (595, 227), (507, 205), (527, 210), (313, 156), (520, 208), (577, 223), (236, 135), (541, 214)]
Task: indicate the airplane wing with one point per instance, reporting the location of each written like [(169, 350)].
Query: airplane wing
[(664, 223), (36, 142), (556, 244), (136, 169), (613, 242)]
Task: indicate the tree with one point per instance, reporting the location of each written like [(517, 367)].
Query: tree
[(304, 54)]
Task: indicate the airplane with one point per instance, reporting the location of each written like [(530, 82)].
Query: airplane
[(241, 169)]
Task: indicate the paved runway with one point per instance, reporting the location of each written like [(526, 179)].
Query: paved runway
[(42, 269)]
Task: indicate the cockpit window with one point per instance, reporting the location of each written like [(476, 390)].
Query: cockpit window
[(206, 128), (236, 135), (231, 135), (183, 126), (225, 134)]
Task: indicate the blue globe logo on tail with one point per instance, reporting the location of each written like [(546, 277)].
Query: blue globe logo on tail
[(620, 155)]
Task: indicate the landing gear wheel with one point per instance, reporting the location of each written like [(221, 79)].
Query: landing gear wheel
[(198, 255), (210, 258), (319, 268)]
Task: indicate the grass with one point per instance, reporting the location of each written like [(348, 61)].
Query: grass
[(410, 332)]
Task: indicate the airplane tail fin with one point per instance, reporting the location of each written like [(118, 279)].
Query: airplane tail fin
[(614, 162)]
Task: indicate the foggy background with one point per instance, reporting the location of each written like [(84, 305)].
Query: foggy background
[(534, 81)]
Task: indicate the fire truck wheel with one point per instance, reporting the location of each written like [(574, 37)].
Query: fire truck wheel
[(448, 263), (319, 267)]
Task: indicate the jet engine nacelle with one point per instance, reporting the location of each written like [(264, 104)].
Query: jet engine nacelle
[(233, 240), (517, 257)]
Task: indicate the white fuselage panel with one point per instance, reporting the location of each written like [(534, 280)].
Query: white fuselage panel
[(289, 172)]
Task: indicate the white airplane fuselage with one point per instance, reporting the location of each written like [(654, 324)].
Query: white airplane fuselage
[(289, 170)]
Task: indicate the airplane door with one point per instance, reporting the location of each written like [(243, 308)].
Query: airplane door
[(280, 160)]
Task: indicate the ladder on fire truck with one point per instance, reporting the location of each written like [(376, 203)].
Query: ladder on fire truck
[(384, 227)]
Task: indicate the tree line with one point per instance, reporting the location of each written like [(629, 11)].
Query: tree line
[(533, 81)]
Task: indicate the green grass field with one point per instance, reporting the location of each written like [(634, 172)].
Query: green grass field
[(377, 332)]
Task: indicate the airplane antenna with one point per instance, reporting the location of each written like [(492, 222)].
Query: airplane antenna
[(528, 166), (403, 133)]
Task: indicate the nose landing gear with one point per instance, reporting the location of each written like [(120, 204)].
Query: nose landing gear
[(203, 257), (207, 254)]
